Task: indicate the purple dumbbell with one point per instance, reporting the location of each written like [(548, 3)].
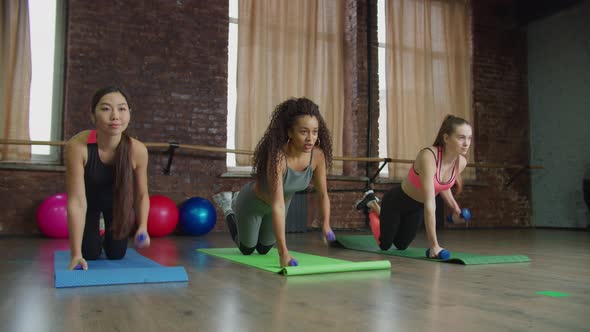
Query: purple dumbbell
[(78, 267), (293, 262), (330, 237)]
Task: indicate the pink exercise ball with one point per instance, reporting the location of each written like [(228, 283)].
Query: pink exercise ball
[(52, 216), (162, 217)]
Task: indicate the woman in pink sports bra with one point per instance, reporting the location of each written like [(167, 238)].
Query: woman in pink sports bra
[(436, 169)]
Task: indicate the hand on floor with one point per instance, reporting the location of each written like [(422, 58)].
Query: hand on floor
[(438, 252), (287, 260), (328, 234), (78, 263), (142, 239)]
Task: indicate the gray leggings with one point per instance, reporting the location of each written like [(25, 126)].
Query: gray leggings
[(254, 221)]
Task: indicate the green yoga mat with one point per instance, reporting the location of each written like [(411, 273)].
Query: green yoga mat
[(367, 243), (308, 264)]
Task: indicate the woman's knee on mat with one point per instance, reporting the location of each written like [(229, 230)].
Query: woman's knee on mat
[(262, 249), (384, 245), (91, 254), (401, 246), (246, 250), (402, 243), (115, 254)]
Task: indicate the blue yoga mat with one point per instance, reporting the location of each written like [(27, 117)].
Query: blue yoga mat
[(132, 269)]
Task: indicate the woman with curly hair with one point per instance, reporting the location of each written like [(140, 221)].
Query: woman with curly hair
[(296, 149)]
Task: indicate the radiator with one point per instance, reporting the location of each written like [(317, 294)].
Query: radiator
[(297, 215)]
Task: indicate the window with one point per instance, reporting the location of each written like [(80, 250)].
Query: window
[(287, 57), (232, 62), (47, 29), (428, 46), (382, 84)]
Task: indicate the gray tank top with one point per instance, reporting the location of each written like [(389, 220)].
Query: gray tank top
[(294, 181)]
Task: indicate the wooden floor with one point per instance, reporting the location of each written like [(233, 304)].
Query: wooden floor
[(414, 295)]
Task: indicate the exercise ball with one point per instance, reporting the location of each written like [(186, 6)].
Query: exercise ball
[(162, 217), (197, 216), (52, 216)]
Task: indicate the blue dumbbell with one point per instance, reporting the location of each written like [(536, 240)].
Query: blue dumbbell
[(443, 254), (465, 214), (139, 239), (293, 262), (78, 267)]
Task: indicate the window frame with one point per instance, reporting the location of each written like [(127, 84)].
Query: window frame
[(58, 84)]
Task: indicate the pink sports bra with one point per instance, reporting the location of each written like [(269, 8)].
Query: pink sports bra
[(91, 137), (439, 186)]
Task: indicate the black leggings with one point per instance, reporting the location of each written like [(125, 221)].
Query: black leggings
[(91, 241), (399, 220)]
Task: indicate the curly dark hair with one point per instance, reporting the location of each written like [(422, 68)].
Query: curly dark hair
[(275, 137)]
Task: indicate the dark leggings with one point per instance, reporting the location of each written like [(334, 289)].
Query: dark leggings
[(399, 220), (91, 241), (230, 219)]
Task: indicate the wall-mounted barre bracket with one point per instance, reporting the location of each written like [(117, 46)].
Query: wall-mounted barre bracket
[(372, 179), (515, 175), (172, 146)]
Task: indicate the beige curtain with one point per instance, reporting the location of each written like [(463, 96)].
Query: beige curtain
[(428, 69), (286, 49), (15, 78)]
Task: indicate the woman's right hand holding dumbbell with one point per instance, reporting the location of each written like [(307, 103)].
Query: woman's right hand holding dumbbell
[(288, 260)]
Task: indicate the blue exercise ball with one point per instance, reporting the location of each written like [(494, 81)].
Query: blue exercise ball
[(197, 216)]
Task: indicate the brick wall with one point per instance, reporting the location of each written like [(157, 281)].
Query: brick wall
[(501, 116), (356, 83), (356, 65), (21, 192), (172, 58)]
